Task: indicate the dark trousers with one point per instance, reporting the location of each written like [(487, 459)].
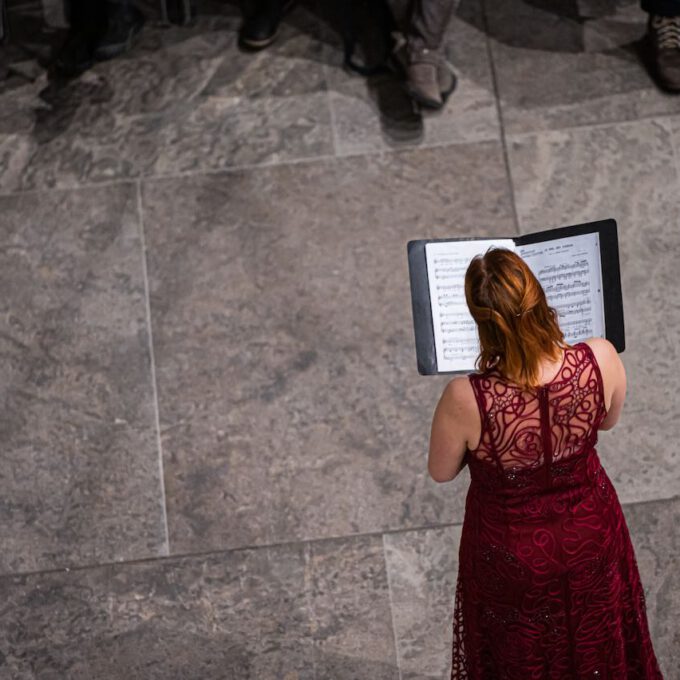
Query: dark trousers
[(664, 8), (429, 20), (89, 15)]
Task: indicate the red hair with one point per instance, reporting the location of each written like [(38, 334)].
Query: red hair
[(517, 327)]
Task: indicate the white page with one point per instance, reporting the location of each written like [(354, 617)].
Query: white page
[(570, 272), (455, 332)]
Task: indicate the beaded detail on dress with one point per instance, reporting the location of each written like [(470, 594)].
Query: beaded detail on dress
[(548, 586)]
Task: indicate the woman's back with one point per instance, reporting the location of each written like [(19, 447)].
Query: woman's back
[(523, 431)]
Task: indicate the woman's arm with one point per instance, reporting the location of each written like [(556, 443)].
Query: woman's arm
[(614, 375), (450, 424)]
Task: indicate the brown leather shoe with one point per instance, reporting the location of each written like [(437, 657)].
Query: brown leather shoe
[(422, 84), (430, 79), (663, 34)]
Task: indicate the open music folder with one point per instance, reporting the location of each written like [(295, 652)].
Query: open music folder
[(578, 267)]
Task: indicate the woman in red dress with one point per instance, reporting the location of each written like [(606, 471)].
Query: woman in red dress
[(548, 584)]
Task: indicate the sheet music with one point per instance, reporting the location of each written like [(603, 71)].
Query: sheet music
[(570, 272), (455, 331)]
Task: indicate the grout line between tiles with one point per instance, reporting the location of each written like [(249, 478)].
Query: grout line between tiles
[(594, 126), (391, 603), (279, 544), (499, 114), (331, 110), (159, 445), (372, 153), (309, 600), (675, 153), (252, 166)]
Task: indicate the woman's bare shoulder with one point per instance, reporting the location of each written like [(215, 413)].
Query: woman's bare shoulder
[(459, 398), (459, 390), (605, 353)]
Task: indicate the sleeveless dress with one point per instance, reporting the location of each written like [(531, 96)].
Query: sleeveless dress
[(548, 585)]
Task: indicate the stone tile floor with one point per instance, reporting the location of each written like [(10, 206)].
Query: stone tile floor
[(213, 432)]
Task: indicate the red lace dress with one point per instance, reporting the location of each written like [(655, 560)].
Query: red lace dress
[(548, 585)]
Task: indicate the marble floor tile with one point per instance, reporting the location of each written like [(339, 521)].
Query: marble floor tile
[(81, 480), (422, 566), (351, 616), (292, 65), (307, 611), (222, 133), (243, 615), (556, 70), (184, 99), (627, 172), (654, 531), (376, 113), (290, 403)]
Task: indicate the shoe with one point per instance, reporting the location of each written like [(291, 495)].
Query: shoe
[(74, 56), (663, 34), (447, 79), (422, 84), (429, 77), (260, 28), (124, 22)]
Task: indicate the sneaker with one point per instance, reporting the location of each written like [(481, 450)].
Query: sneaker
[(261, 27), (664, 38)]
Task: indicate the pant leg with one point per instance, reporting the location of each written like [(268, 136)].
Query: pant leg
[(54, 13), (429, 20), (87, 16), (664, 8)]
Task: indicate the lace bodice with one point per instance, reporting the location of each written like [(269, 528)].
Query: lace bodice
[(524, 433)]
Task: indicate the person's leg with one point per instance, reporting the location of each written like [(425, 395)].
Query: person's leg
[(430, 79), (54, 13), (663, 34), (664, 8), (87, 24), (429, 21)]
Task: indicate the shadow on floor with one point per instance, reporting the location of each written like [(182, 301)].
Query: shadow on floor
[(541, 25)]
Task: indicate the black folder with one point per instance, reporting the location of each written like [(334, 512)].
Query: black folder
[(610, 293)]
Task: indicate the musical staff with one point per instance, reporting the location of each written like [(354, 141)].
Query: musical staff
[(547, 279), (455, 331), (561, 286), (463, 324), (570, 272), (562, 268), (581, 307)]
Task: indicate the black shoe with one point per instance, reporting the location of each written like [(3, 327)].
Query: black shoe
[(74, 56), (124, 22), (261, 27), (663, 34)]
